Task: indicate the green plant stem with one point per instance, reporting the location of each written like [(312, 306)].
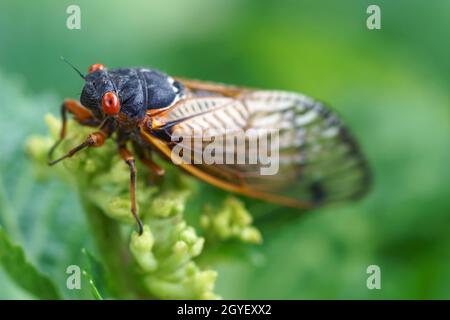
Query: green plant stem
[(115, 254)]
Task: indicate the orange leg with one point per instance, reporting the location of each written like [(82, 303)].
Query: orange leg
[(82, 115), (80, 112), (156, 172), (152, 165), (129, 159), (95, 139), (145, 156)]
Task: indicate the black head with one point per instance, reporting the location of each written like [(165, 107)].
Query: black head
[(128, 92), (99, 93)]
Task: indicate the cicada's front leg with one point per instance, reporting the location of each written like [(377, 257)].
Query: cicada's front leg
[(95, 139), (83, 115)]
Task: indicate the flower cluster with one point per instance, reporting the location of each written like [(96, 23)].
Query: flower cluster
[(163, 256)]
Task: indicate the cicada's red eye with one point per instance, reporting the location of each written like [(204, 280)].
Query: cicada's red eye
[(110, 103), (95, 67)]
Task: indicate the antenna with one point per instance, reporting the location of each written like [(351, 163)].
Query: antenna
[(73, 67)]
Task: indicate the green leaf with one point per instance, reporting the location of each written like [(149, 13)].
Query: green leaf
[(95, 274), (20, 270), (95, 292)]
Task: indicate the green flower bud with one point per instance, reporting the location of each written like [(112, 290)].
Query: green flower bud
[(231, 221), (141, 246)]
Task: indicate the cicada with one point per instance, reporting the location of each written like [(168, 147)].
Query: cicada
[(319, 161)]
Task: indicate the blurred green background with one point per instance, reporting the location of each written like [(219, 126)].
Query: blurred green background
[(390, 85)]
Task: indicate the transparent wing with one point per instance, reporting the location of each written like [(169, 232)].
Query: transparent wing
[(317, 159)]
